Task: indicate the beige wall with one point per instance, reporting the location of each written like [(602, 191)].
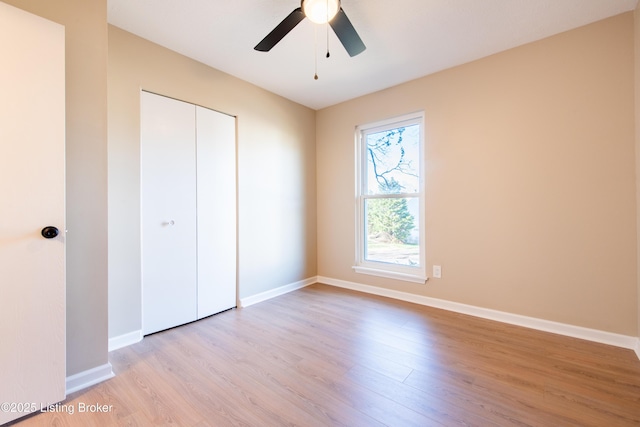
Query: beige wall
[(86, 148), (530, 204), (276, 172)]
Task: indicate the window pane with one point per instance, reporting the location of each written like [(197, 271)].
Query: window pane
[(392, 231), (393, 161)]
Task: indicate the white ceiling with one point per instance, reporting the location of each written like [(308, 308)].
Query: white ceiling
[(405, 39)]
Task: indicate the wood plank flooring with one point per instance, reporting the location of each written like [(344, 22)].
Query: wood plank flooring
[(324, 356)]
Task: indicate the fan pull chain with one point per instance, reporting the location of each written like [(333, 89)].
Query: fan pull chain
[(328, 54), (315, 50)]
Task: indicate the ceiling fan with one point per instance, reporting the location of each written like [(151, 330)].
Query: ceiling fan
[(319, 12)]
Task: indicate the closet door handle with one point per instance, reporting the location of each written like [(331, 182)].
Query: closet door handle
[(170, 222)]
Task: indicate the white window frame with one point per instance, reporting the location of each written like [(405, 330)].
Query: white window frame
[(415, 274)]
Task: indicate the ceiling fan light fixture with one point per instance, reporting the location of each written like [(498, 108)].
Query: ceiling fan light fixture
[(320, 11)]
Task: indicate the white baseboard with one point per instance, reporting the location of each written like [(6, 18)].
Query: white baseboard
[(89, 377), (264, 296), (125, 339), (595, 335)]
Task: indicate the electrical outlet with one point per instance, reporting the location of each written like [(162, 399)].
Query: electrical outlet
[(437, 271)]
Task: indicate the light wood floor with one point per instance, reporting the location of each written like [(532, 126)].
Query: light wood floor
[(323, 356)]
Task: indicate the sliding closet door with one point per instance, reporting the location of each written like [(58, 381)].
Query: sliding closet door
[(168, 200), (216, 147)]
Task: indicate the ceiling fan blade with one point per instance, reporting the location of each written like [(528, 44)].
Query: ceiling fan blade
[(347, 34), (281, 30)]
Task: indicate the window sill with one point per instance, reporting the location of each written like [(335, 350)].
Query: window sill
[(414, 278)]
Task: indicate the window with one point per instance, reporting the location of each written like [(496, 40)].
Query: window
[(390, 199)]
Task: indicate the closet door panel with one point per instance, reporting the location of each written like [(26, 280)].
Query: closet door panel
[(168, 215), (216, 188)]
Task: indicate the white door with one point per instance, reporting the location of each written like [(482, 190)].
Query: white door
[(168, 215), (216, 159), (32, 268)]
